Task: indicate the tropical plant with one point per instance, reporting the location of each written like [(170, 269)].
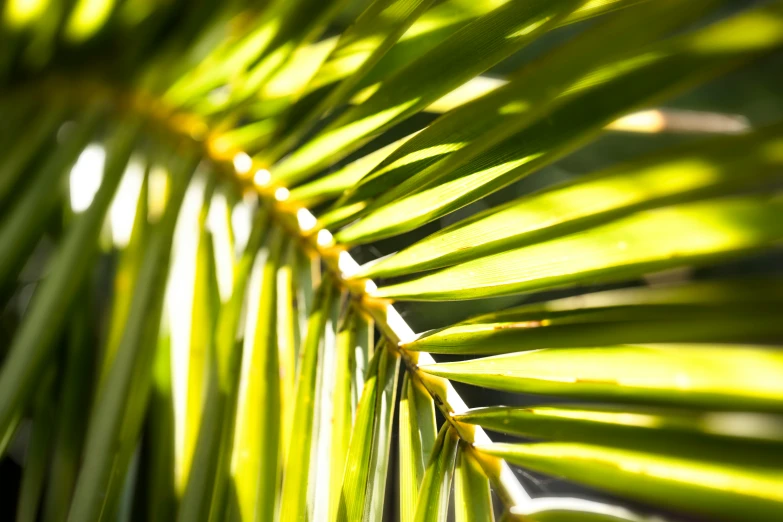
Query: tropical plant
[(186, 188)]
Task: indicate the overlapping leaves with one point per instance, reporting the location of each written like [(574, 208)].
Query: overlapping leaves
[(238, 377)]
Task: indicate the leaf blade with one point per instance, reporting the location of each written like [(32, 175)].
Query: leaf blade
[(628, 247), (294, 493), (433, 502), (473, 501), (652, 374), (423, 81), (696, 486), (685, 173)]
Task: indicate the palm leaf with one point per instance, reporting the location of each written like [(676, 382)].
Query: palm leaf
[(571, 209)]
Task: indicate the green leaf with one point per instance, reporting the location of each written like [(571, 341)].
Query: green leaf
[(686, 173), (724, 492), (287, 24), (411, 465), (227, 59), (246, 137), (647, 316), (255, 465), (353, 345), (23, 221), (531, 92), (117, 415), (10, 431), (467, 52), (231, 346), (417, 439), (340, 216), (590, 103), (76, 388), (127, 273), (288, 340), (39, 452), (682, 374), (211, 460), (629, 247), (289, 83), (32, 344), (433, 503), (156, 481), (430, 29), (319, 491), (709, 436), (343, 407), (364, 351), (306, 274), (295, 481), (30, 143), (364, 480), (331, 186), (357, 463), (360, 47), (473, 502), (426, 32), (388, 373), (205, 310)]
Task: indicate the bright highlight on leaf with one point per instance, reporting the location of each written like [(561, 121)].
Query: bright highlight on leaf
[(626, 248), (742, 377)]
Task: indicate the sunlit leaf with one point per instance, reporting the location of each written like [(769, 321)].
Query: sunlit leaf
[(710, 436), (352, 359), (210, 467), (286, 26), (433, 502), (471, 489), (287, 344), (388, 372), (201, 346), (320, 492), (359, 48), (206, 301), (571, 509), (662, 70), (532, 91), (110, 422), (343, 407), (32, 344), (294, 493), (128, 265), (688, 173), (720, 491), (626, 248), (717, 376), (364, 480), (417, 439), (735, 310), (352, 493), (255, 465), (466, 53), (334, 184)]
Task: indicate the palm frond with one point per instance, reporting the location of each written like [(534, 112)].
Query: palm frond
[(549, 196)]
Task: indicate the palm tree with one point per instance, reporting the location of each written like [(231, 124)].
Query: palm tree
[(222, 225)]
